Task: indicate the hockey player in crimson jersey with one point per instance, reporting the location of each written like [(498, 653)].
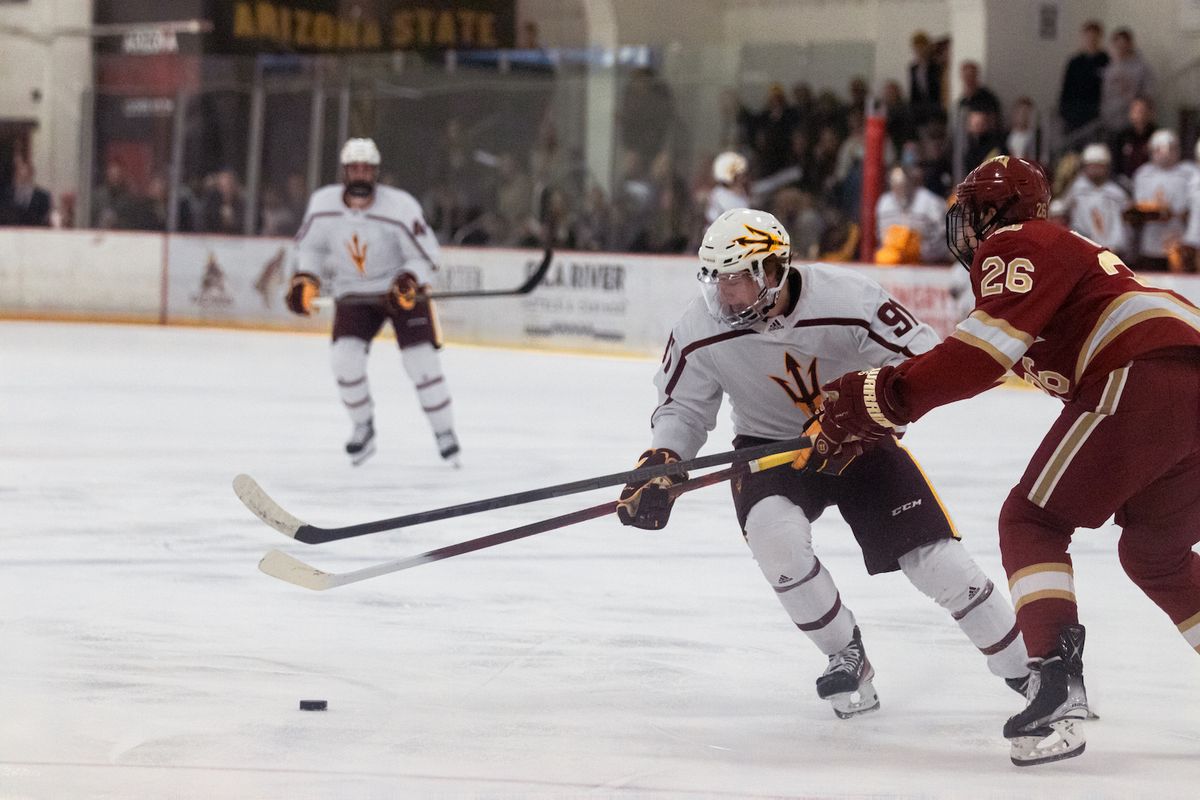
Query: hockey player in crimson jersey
[(1069, 317), (764, 334), (371, 244)]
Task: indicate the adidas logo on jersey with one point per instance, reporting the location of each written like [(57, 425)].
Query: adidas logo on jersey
[(775, 324)]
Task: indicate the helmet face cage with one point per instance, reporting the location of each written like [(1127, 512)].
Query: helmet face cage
[(717, 287)]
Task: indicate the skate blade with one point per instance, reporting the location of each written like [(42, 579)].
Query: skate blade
[(851, 704), (1064, 739), (364, 454)]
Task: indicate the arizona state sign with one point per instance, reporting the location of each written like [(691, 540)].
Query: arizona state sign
[(337, 26)]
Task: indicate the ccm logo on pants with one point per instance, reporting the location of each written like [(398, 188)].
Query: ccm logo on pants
[(906, 507)]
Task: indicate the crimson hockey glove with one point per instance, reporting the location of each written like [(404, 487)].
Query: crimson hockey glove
[(647, 504), (826, 455), (402, 294), (862, 405), (300, 294)]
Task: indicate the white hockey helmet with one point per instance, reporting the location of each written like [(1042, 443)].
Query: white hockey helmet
[(360, 151), (735, 255), (1096, 153), (728, 166)]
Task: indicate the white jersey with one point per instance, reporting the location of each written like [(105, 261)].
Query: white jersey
[(724, 198), (773, 371), (1192, 235), (1098, 213), (1167, 188), (925, 214), (361, 251)]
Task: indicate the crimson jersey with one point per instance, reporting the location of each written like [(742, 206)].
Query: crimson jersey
[(1055, 308)]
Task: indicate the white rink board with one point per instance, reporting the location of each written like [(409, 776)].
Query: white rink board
[(80, 272), (606, 303)]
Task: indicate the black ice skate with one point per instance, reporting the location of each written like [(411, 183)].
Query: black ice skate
[(1049, 728), (362, 442), (447, 444), (846, 682)]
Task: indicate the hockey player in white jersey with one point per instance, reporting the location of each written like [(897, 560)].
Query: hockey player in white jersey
[(1098, 203), (369, 246), (767, 334)]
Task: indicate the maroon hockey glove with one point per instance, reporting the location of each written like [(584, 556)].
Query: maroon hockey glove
[(300, 294), (402, 294), (861, 405), (647, 505)]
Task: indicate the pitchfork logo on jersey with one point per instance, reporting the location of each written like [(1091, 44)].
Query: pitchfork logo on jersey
[(805, 394), (358, 253)]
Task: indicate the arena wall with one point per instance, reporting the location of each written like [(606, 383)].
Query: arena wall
[(602, 303)]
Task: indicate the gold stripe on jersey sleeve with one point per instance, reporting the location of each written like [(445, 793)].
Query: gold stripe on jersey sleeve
[(1004, 325), (1126, 311), (987, 347)]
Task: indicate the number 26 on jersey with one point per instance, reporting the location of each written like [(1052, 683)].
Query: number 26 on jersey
[(1016, 276)]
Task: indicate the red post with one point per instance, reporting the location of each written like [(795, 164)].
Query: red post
[(872, 184)]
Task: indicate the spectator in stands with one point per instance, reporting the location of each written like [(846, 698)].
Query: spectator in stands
[(1131, 145), (646, 114), (109, 199), (514, 193), (802, 101), (772, 131), (277, 218), (223, 208), (1161, 197), (934, 158), (982, 140), (975, 96), (1079, 100), (911, 222), (1098, 204), (1126, 77), (1024, 138), (901, 127), (24, 203), (924, 79)]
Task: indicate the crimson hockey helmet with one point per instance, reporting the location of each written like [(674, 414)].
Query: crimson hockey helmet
[(1001, 191), (735, 255)]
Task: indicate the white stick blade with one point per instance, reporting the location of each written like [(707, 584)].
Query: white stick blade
[(280, 565), (266, 509)]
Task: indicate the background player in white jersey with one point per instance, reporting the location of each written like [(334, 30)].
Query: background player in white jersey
[(1098, 203), (1160, 195), (767, 334), (371, 245)]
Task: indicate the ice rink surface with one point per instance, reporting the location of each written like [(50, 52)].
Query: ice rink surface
[(142, 655)]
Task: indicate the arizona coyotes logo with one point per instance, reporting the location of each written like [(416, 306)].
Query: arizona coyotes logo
[(805, 394), (761, 241), (358, 253)]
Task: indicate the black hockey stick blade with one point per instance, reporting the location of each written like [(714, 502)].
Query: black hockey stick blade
[(528, 286), (279, 564), (260, 503)]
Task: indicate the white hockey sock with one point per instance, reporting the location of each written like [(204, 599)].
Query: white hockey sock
[(424, 367), (945, 571), (780, 537), (348, 357)]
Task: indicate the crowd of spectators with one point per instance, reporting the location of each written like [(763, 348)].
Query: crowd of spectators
[(1118, 176)]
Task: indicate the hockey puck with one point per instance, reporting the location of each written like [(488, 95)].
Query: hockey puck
[(313, 705)]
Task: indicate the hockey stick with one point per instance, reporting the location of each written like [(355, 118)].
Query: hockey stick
[(287, 568), (528, 286), (270, 512)]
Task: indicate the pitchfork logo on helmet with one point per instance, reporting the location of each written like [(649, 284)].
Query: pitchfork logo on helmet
[(744, 260), (1001, 191)]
